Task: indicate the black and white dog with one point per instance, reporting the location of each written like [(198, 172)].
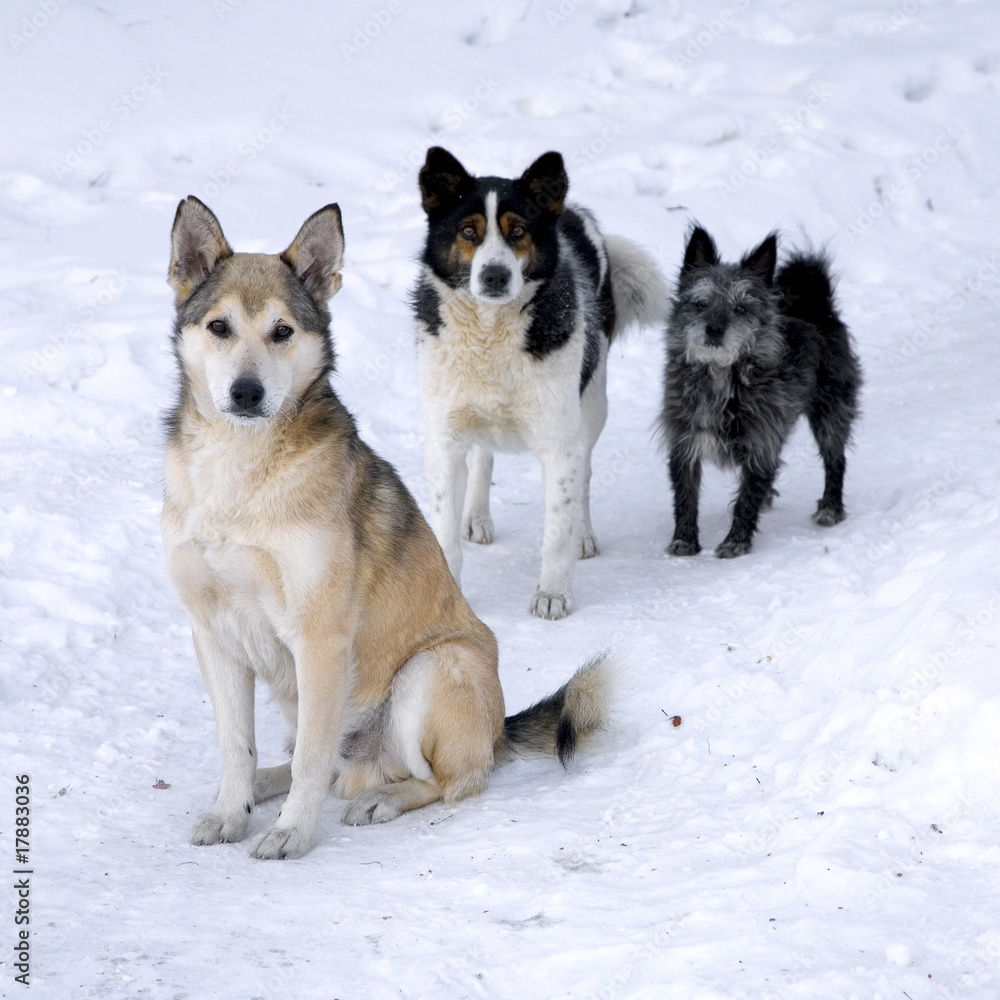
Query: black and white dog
[(518, 299), (747, 354)]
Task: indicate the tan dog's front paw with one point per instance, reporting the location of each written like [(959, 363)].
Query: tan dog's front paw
[(211, 828), (276, 844)]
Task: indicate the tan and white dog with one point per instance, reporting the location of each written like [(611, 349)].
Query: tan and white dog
[(302, 560)]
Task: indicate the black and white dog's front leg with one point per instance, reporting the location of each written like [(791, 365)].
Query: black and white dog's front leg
[(447, 473), (594, 414), (562, 473), (477, 525), (756, 489)]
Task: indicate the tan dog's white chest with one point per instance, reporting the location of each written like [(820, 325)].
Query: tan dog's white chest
[(220, 534)]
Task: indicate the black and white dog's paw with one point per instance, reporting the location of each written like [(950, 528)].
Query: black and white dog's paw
[(478, 528), (588, 545), (551, 606)]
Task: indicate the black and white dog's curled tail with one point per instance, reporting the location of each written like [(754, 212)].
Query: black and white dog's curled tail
[(640, 292), (562, 722), (807, 291)]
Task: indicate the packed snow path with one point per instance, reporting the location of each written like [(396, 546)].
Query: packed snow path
[(823, 822)]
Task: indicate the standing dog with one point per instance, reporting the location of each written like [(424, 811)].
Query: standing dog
[(518, 299), (302, 560), (746, 356)]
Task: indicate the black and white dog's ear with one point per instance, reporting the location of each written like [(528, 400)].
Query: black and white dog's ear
[(701, 250), (317, 253), (196, 246), (544, 184), (443, 182), (763, 259)]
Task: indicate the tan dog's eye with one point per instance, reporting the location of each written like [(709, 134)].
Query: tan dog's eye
[(219, 327), (282, 332)]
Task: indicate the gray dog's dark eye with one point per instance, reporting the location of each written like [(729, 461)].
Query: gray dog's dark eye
[(282, 332), (740, 309), (219, 327)]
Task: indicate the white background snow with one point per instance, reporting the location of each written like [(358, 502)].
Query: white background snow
[(824, 822)]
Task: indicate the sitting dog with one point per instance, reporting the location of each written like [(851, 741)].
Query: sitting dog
[(302, 560), (747, 354), (518, 299)]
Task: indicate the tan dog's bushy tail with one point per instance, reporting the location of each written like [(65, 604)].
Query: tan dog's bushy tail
[(558, 724)]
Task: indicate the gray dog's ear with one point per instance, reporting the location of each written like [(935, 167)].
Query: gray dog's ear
[(762, 260), (196, 246), (317, 253), (701, 250)]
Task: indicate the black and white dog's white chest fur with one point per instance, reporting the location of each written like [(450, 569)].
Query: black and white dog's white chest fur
[(518, 299)]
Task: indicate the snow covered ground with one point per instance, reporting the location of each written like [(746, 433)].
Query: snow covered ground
[(824, 821)]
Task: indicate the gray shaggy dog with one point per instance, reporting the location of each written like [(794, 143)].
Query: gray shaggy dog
[(748, 352)]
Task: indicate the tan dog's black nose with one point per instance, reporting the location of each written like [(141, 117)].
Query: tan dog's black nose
[(246, 393)]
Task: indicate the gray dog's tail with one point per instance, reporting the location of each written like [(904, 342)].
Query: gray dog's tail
[(807, 291), (640, 293), (558, 724)]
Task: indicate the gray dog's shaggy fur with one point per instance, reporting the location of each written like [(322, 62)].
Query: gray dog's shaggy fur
[(748, 352)]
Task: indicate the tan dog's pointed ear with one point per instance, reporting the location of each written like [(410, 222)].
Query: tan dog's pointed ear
[(317, 253), (196, 246)]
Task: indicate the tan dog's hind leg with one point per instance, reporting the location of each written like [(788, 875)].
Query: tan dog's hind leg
[(386, 802), (271, 781), (460, 708)]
